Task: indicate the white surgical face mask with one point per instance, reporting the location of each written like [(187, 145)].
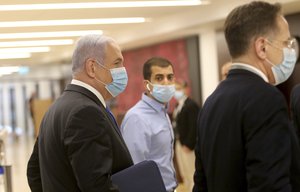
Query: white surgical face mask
[(284, 70), (119, 83), (178, 95), (162, 93)]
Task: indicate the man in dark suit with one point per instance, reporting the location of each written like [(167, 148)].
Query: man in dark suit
[(245, 141), (185, 123), (295, 108), (79, 145)]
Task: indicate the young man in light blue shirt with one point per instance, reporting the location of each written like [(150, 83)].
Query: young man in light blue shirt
[(146, 127)]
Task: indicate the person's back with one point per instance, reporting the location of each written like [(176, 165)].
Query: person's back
[(52, 145), (295, 108), (228, 133), (56, 136), (245, 139)]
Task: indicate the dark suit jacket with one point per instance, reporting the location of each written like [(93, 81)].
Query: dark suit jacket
[(245, 142), (78, 148), (186, 123), (295, 107)]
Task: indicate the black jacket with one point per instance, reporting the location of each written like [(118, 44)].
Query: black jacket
[(295, 107), (245, 141), (186, 123), (78, 148)]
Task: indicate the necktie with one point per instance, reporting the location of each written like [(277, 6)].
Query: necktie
[(112, 116)]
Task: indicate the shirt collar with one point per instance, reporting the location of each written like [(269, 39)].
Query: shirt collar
[(157, 106), (90, 88), (182, 100), (251, 69)]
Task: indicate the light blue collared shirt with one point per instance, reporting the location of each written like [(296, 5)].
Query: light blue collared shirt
[(148, 133)]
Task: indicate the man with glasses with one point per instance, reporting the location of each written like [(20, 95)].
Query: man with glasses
[(245, 140), (79, 145)]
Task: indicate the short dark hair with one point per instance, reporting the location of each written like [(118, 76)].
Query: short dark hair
[(182, 83), (154, 61), (247, 22)]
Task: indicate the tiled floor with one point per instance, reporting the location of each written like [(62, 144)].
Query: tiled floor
[(18, 150)]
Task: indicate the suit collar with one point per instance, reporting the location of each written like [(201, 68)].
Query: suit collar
[(86, 92), (90, 88), (251, 69)]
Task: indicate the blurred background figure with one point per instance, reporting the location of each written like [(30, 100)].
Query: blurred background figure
[(33, 96), (184, 123), (224, 70)]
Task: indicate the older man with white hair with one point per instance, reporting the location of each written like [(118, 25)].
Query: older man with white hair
[(79, 145)]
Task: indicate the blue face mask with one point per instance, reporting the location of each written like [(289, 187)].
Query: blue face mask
[(178, 95), (162, 93), (119, 83), (283, 70)]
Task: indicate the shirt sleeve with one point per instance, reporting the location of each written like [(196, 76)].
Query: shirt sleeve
[(137, 137)]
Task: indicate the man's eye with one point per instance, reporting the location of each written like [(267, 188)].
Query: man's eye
[(159, 78)]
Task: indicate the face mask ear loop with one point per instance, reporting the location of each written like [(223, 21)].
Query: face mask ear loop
[(149, 88), (270, 63), (100, 81)]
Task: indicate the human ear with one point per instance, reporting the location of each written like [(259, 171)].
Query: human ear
[(90, 68), (146, 85), (260, 48)]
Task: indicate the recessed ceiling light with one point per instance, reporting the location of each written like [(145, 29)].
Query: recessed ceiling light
[(71, 22), (14, 55), (25, 49), (48, 34), (36, 43), (92, 5)]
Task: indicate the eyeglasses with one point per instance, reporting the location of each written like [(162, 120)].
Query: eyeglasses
[(290, 43)]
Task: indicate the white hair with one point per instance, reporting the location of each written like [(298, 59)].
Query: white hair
[(89, 46)]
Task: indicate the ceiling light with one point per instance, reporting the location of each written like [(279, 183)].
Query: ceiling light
[(36, 43), (13, 69), (71, 22), (14, 55), (93, 5), (48, 34), (25, 49), (8, 70)]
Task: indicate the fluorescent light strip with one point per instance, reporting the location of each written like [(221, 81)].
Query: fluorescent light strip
[(36, 43), (71, 22), (92, 5), (8, 70), (14, 55), (26, 49), (48, 34)]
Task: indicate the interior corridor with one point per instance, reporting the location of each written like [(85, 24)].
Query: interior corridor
[(18, 150)]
